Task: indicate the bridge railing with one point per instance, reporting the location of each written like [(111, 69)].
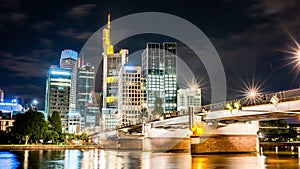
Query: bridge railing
[(288, 95)]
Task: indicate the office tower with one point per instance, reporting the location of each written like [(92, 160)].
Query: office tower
[(130, 98), (159, 69), (92, 110), (1, 95), (85, 85), (58, 87), (112, 63), (170, 76), (68, 60), (190, 97)]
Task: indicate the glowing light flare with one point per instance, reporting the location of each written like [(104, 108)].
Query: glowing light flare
[(294, 59), (252, 92)]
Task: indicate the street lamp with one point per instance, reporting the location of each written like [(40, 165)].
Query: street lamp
[(34, 104)]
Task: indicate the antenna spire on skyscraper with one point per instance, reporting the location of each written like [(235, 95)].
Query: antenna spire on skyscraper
[(108, 21)]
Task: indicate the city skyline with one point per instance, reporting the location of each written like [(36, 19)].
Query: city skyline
[(250, 37)]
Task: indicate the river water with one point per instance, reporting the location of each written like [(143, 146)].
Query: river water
[(111, 159)]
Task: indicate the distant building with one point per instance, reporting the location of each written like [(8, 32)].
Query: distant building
[(73, 123), (190, 97), (58, 88), (13, 108), (92, 111), (6, 123), (68, 60), (130, 95), (1, 95), (159, 69), (85, 85), (112, 63)]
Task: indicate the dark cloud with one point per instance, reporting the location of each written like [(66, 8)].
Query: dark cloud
[(28, 65), (265, 8), (42, 26), (75, 34), (47, 42), (80, 11), (14, 17)]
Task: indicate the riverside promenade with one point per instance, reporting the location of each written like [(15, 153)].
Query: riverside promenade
[(46, 147)]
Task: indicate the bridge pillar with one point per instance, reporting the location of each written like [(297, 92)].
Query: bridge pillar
[(232, 138)]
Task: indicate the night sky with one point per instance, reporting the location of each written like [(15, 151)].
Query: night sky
[(251, 38)]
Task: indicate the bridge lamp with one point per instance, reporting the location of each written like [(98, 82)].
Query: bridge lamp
[(252, 93)]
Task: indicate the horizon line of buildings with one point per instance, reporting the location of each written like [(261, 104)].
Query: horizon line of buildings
[(128, 93)]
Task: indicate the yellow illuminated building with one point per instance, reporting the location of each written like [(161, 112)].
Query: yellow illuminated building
[(112, 62)]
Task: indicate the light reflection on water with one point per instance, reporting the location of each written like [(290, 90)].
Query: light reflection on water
[(109, 159)]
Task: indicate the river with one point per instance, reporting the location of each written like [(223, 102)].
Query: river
[(111, 159)]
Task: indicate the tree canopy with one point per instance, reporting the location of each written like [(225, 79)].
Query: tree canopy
[(55, 121), (30, 126)]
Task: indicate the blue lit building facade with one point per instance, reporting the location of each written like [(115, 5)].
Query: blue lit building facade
[(68, 60), (58, 88)]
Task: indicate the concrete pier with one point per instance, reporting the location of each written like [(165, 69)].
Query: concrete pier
[(230, 138)]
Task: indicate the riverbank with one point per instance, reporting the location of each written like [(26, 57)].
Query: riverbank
[(46, 147)]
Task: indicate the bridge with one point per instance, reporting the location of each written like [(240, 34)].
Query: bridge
[(286, 104), (232, 123)]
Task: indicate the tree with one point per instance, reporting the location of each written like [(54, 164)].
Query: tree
[(52, 135), (158, 109), (55, 122), (30, 126), (83, 136), (277, 130)]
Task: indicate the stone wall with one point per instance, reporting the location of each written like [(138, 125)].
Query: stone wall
[(226, 144), (130, 144), (167, 144)]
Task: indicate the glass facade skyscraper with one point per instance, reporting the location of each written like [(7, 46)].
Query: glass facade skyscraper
[(85, 85), (58, 88), (159, 69), (68, 60)]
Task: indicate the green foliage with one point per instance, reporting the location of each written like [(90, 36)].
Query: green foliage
[(30, 126), (83, 136), (52, 135), (277, 130), (55, 121)]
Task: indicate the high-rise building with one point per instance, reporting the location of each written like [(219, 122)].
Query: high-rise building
[(85, 85), (159, 69), (58, 88), (190, 97), (130, 98), (1, 95), (112, 63), (92, 110), (68, 60)]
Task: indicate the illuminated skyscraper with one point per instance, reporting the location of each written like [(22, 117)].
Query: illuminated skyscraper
[(58, 89), (68, 60), (130, 95), (159, 69), (112, 63), (85, 85)]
